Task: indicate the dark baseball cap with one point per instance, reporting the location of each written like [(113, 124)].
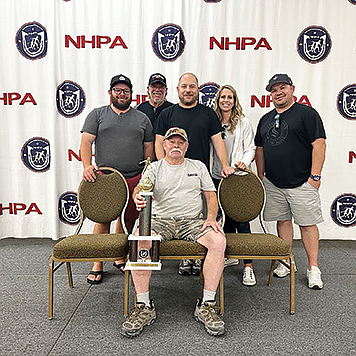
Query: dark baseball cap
[(278, 78), (120, 79), (157, 78)]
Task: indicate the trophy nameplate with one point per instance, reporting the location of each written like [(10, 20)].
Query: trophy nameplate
[(144, 258)]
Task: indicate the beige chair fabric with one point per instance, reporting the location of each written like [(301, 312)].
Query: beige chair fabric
[(101, 201)]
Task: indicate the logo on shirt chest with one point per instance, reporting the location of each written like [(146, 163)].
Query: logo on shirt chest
[(276, 135)]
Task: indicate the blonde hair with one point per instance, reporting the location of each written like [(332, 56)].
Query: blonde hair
[(236, 112)]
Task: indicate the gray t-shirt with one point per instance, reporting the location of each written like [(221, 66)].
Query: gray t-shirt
[(178, 188), (119, 139)]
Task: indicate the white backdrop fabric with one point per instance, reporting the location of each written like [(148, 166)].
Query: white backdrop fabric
[(58, 56)]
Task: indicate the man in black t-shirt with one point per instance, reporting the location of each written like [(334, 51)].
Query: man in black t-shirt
[(202, 126), (157, 92), (290, 155)]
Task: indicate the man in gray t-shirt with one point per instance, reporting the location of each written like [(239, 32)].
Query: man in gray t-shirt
[(123, 138), (179, 185)]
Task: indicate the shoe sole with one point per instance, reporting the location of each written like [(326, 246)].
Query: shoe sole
[(196, 273), (184, 273), (209, 331), (129, 334), (249, 284), (279, 276)]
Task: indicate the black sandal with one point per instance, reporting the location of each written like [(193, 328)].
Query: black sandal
[(120, 267), (95, 273)]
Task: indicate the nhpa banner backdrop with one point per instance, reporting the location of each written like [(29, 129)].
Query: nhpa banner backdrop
[(57, 58)]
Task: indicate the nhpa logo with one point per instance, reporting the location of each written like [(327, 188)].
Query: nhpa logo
[(70, 99), (343, 210), (31, 40), (314, 44), (168, 42), (353, 2), (35, 154), (68, 208), (346, 102), (207, 92), (212, 1)]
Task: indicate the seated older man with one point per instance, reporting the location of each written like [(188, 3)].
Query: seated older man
[(177, 208)]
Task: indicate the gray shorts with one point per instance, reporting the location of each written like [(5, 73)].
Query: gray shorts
[(179, 228), (302, 203)]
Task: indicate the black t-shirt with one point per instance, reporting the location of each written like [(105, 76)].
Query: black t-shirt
[(287, 149), (151, 111), (200, 123)]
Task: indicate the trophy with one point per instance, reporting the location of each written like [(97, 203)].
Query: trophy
[(141, 258)]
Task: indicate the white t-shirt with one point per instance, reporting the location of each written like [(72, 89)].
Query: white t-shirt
[(178, 188)]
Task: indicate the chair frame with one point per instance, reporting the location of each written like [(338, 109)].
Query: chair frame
[(273, 258), (52, 268)]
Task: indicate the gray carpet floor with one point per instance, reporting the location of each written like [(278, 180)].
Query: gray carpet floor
[(87, 318)]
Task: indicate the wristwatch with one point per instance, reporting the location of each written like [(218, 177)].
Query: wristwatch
[(315, 177)]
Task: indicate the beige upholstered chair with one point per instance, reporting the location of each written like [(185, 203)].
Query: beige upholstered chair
[(101, 201), (242, 197)]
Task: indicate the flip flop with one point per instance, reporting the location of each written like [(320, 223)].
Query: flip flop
[(95, 273), (120, 267)]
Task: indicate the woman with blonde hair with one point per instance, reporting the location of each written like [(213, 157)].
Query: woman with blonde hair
[(239, 141)]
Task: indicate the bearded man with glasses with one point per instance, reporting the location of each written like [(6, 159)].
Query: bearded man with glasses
[(123, 138)]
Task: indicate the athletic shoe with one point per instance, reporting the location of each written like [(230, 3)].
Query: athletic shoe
[(231, 262), (314, 278), (140, 316), (185, 267), (206, 313), (196, 267), (282, 271), (248, 278)]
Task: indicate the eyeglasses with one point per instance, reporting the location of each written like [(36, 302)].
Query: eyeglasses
[(276, 121), (223, 133), (119, 91)]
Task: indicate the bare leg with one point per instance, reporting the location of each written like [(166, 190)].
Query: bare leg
[(214, 260), (310, 238), (98, 266), (285, 231)]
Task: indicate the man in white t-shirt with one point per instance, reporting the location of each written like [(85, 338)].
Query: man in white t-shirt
[(177, 208)]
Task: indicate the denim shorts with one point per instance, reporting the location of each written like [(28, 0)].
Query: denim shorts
[(301, 203)]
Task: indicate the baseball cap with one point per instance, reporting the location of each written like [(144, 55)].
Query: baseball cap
[(120, 79), (176, 131), (278, 78), (157, 78)]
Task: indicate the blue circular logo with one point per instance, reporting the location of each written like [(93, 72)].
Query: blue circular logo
[(207, 92), (31, 40), (314, 44), (70, 99), (212, 1), (343, 210), (353, 2), (346, 102), (35, 154), (68, 208), (168, 42)]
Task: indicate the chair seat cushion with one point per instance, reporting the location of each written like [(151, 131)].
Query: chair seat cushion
[(92, 246), (181, 248), (256, 244)]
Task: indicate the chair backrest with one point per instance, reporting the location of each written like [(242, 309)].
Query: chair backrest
[(106, 198), (241, 196)]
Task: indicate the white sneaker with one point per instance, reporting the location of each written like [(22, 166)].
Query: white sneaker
[(282, 271), (231, 262), (248, 278), (314, 278)]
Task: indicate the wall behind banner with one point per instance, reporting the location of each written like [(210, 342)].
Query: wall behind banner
[(57, 59)]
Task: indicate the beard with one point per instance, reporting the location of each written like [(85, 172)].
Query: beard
[(189, 102), (121, 106)]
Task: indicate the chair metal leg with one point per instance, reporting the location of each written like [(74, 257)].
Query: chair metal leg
[(126, 293), (50, 289), (221, 293), (273, 263), (292, 285), (69, 273)]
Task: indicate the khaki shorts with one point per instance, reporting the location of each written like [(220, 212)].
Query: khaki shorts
[(175, 228), (302, 203)]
